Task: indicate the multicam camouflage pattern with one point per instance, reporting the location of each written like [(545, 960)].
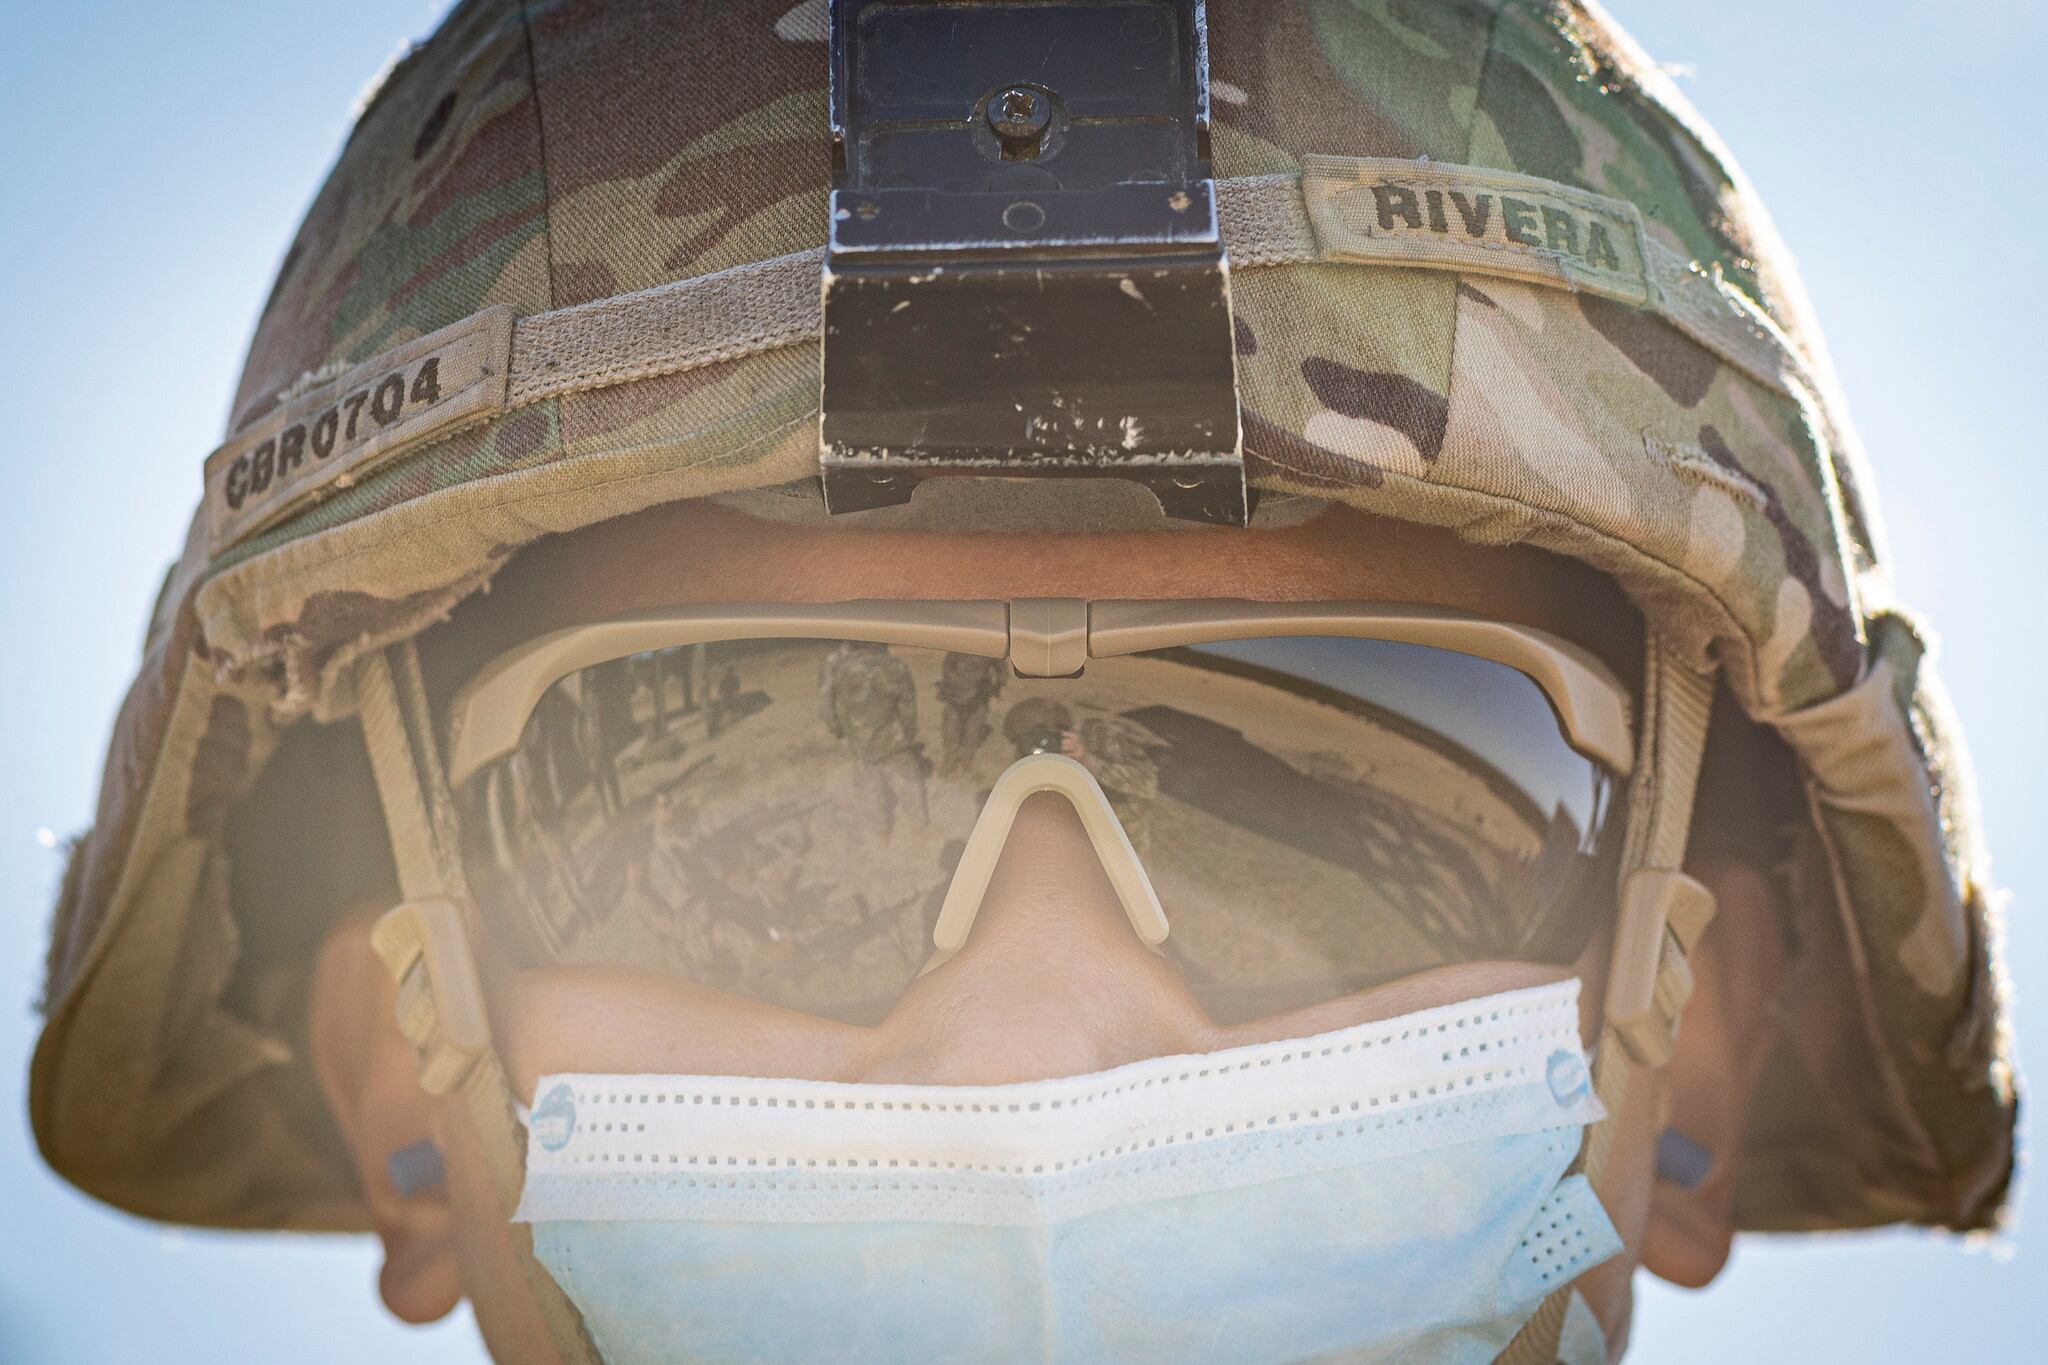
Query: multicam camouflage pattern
[(543, 154)]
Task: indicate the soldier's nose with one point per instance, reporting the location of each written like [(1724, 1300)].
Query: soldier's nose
[(1052, 981)]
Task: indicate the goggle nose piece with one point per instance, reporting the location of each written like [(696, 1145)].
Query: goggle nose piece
[(1027, 777)]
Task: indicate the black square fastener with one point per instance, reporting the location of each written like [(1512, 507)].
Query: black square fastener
[(1025, 275)]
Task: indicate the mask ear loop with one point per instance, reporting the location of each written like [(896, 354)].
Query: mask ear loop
[(1023, 779), (1662, 914)]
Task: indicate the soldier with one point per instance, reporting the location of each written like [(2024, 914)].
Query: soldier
[(1121, 754), (650, 669), (724, 700), (968, 684), (609, 728), (659, 880), (868, 701), (1038, 725), (1514, 351), (1118, 751), (687, 663)]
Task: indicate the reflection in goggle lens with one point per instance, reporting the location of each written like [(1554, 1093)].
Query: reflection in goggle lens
[(780, 819)]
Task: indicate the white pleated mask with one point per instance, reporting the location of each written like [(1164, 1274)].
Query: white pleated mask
[(1392, 1191)]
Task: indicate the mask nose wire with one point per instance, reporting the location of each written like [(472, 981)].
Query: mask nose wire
[(1025, 778)]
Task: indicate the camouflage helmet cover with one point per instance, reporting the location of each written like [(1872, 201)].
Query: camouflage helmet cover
[(532, 160)]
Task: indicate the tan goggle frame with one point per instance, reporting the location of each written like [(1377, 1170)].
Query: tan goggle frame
[(1042, 637)]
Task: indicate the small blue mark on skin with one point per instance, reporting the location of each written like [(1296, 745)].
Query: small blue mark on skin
[(415, 1168), (1682, 1161)]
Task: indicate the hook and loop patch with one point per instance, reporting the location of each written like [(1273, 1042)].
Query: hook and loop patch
[(329, 437)]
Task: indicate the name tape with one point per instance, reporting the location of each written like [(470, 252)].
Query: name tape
[(327, 438), (1420, 213)]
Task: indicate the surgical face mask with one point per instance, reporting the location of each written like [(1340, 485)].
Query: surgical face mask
[(1393, 1191)]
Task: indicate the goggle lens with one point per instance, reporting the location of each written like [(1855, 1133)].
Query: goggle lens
[(780, 818)]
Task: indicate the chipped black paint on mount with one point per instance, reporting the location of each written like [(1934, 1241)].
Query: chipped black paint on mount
[(1025, 274)]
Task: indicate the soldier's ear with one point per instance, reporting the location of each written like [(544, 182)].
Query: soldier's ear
[(1723, 1040), (367, 1072)]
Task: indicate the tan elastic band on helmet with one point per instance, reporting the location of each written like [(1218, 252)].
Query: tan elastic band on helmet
[(1662, 914), (1363, 210), (424, 942)]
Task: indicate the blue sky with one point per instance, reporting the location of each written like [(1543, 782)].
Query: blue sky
[(156, 158)]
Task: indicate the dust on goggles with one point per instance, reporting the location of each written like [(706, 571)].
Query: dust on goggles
[(776, 800)]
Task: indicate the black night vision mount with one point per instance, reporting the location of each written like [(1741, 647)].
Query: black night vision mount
[(1025, 275)]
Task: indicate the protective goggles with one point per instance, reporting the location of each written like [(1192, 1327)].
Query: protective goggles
[(802, 805)]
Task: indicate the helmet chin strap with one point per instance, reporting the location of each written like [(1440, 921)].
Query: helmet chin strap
[(425, 943), (1662, 913)]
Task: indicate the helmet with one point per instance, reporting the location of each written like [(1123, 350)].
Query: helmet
[(1035, 725), (1489, 272)]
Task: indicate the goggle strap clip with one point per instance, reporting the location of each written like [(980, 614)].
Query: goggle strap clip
[(1663, 913), (440, 999)]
